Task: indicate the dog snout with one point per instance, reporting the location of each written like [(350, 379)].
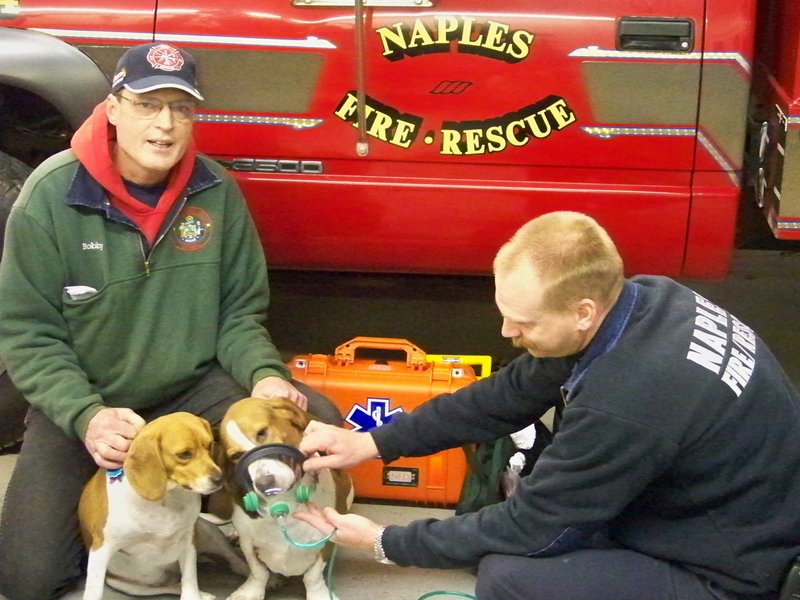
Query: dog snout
[(209, 482), (270, 476), (266, 484)]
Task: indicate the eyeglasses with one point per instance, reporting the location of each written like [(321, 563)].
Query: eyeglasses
[(182, 110)]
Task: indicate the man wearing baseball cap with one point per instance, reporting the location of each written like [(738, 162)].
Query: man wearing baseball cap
[(133, 284), (153, 67)]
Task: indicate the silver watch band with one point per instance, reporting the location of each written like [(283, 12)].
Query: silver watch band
[(377, 546)]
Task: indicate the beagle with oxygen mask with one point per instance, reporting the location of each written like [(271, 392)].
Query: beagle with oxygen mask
[(264, 474), (138, 522)]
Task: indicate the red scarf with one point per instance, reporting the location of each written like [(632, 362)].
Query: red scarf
[(93, 144)]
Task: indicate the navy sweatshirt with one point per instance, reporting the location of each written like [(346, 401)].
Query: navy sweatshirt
[(680, 437)]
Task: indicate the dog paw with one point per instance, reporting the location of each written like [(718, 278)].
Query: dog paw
[(237, 596), (244, 593), (322, 596), (199, 596)]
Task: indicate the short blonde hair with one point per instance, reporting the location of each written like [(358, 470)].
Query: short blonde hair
[(571, 253)]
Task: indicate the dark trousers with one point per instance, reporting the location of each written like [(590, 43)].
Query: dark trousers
[(41, 552), (594, 574)]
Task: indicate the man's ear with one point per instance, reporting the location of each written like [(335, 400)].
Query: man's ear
[(586, 314), (112, 107)]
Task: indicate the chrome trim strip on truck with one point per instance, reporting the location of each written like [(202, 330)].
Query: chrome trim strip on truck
[(224, 40)]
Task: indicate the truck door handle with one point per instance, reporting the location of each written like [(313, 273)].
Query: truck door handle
[(655, 34)]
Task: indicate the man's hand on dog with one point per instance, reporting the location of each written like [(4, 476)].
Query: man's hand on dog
[(271, 387), (351, 530), (342, 448), (109, 435)]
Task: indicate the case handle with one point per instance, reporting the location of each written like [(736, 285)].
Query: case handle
[(415, 357)]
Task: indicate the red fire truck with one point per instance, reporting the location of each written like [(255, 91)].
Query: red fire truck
[(416, 135)]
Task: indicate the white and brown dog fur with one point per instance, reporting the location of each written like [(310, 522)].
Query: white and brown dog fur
[(140, 524), (251, 423)]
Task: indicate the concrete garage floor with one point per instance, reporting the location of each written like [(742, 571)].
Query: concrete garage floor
[(315, 312)]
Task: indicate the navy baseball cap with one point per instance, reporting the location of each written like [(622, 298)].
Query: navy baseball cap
[(153, 67)]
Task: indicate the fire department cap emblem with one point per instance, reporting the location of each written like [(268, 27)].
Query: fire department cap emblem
[(192, 230), (165, 58)]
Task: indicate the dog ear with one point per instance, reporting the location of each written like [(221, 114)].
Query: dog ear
[(207, 427), (228, 467), (144, 467), (218, 453), (288, 410)]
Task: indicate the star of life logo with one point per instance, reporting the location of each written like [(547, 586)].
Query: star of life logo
[(165, 58), (377, 412)]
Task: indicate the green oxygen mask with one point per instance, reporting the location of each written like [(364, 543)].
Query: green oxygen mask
[(267, 473)]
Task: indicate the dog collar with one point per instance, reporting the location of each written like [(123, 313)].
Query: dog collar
[(115, 475)]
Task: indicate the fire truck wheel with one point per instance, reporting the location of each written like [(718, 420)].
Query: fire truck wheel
[(12, 175)]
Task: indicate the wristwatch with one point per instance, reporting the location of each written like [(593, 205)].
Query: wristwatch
[(377, 546)]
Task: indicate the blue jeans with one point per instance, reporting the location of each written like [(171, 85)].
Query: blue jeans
[(41, 552)]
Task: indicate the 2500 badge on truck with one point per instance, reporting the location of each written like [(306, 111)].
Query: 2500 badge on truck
[(417, 135)]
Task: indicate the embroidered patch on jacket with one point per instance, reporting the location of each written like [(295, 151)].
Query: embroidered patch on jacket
[(192, 230)]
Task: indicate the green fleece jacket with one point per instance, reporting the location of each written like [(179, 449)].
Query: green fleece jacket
[(90, 316)]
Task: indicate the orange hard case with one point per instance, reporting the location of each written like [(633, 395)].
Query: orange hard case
[(369, 392)]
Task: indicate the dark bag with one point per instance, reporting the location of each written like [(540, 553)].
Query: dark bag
[(487, 464)]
